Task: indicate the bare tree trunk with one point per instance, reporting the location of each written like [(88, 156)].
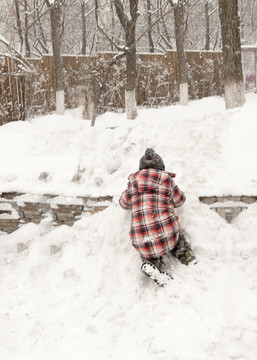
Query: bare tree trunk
[(55, 15), (41, 36), (231, 48), (181, 56), (18, 20), (149, 24), (27, 46), (113, 22), (129, 50), (129, 26), (84, 28), (130, 92), (207, 25)]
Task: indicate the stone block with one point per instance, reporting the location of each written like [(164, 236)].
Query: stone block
[(228, 213), (30, 214), (209, 200), (96, 209), (9, 225), (64, 216), (99, 208), (9, 212), (231, 198), (69, 210), (33, 210), (220, 199), (9, 222), (220, 211), (10, 195), (248, 199), (104, 198)]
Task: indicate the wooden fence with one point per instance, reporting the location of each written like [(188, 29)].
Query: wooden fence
[(12, 91), (28, 95)]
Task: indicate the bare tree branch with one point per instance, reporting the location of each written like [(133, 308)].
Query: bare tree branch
[(121, 13), (18, 55), (46, 11), (124, 49), (37, 8)]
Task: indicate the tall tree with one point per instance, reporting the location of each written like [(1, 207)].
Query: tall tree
[(231, 49), (207, 25), (149, 24), (127, 12), (129, 25), (18, 12), (84, 27), (55, 15), (248, 15), (26, 32), (181, 56), (18, 21)]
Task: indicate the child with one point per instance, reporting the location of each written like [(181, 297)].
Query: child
[(152, 196)]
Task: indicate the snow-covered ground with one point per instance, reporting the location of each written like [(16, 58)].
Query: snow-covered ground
[(89, 300)]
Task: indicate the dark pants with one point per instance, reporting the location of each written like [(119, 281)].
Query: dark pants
[(179, 248)]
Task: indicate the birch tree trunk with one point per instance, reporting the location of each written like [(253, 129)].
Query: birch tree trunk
[(231, 48), (131, 74)]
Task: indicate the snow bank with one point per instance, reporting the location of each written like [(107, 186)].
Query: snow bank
[(211, 150), (77, 292)]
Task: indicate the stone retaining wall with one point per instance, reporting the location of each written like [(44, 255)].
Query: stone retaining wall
[(230, 206), (17, 209)]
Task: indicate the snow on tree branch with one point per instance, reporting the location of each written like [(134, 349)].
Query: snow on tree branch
[(16, 55)]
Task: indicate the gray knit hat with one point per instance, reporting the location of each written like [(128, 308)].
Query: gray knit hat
[(151, 160)]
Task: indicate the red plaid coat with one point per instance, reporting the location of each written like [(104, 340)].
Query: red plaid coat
[(152, 196)]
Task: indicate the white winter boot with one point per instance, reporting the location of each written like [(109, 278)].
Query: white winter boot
[(160, 277)]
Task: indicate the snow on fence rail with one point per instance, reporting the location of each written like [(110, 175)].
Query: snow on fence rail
[(32, 95)]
